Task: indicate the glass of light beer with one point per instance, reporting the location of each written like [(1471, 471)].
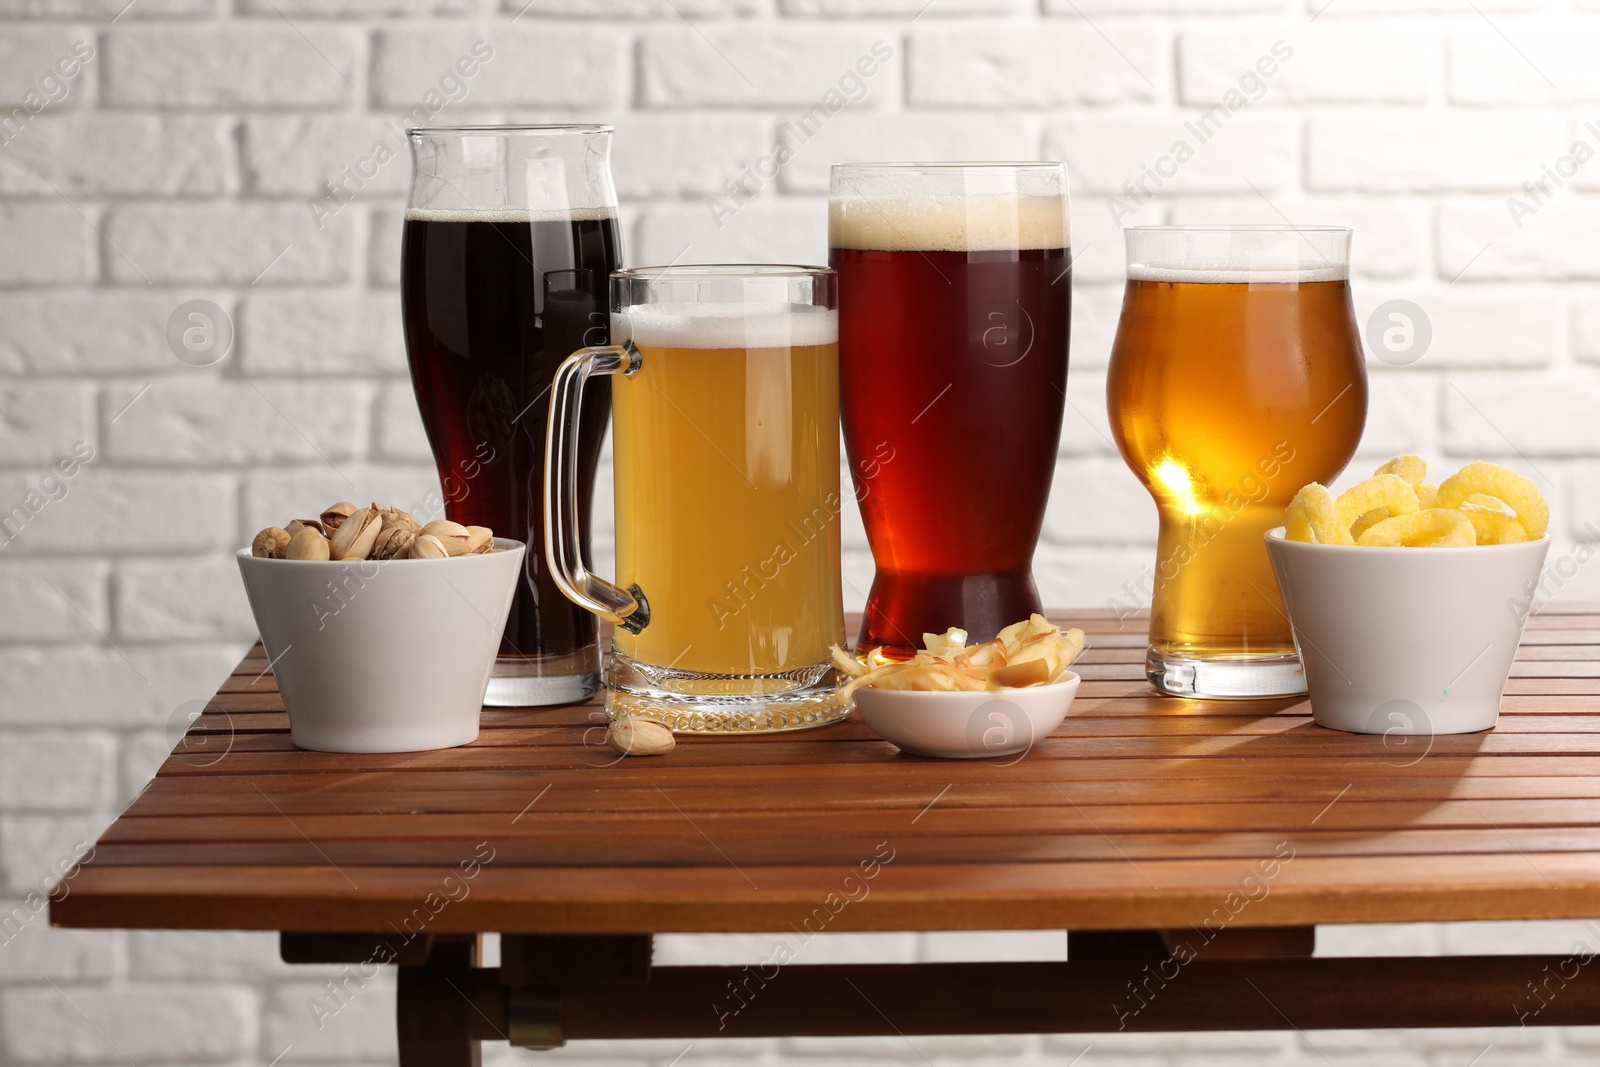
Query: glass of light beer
[(1236, 377), (955, 298), (725, 414)]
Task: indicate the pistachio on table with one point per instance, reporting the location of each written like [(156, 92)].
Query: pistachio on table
[(378, 532), (634, 736)]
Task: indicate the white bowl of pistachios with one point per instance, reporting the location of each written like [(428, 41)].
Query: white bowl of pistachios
[(381, 631)]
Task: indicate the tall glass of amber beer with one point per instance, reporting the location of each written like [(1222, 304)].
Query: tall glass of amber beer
[(955, 296), (1236, 377), (725, 416)]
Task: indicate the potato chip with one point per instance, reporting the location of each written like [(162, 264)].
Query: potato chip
[(1517, 492), (1410, 469), (1032, 652), (1428, 528), (1388, 491), (1313, 515)]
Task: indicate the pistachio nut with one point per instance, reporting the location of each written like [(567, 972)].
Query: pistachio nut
[(308, 544), (640, 737), (454, 536), (395, 519), (270, 543), (334, 517), (356, 535), (480, 539), (393, 543), (303, 524), (427, 546)]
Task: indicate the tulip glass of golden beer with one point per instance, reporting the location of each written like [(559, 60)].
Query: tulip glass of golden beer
[(725, 418), (1236, 377)]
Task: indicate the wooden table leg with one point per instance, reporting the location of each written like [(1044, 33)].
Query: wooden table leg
[(433, 1009)]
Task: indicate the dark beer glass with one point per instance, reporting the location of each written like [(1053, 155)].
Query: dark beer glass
[(510, 239), (955, 297)]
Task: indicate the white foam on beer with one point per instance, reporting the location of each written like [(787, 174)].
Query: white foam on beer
[(509, 214), (750, 324), (904, 223), (1232, 272)]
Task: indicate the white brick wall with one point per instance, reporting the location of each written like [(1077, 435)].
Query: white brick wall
[(174, 164)]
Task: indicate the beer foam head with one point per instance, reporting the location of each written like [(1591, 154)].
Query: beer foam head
[(509, 214), (903, 222), (747, 324), (1238, 272)]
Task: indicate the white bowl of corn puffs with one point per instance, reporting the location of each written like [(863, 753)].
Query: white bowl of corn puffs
[(958, 701), (1407, 599)]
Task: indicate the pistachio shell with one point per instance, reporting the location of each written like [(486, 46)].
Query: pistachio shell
[(270, 543), (395, 519), (334, 517), (308, 544), (304, 524), (393, 543), (454, 536), (640, 737), (356, 535), (480, 539), (427, 546)]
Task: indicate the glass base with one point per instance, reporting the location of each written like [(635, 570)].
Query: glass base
[(537, 681), (697, 702), (1241, 677)]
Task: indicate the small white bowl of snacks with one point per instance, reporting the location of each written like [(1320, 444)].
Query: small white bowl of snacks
[(381, 632), (958, 701), (1407, 599)]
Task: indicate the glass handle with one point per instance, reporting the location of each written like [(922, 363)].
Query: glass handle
[(562, 537)]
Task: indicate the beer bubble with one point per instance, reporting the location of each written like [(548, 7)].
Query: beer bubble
[(199, 332), (1399, 332)]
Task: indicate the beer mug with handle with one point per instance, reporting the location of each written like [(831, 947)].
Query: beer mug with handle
[(726, 420)]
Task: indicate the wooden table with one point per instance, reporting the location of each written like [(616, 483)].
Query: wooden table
[(1189, 849)]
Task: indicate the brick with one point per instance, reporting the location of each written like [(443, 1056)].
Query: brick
[(31, 79), (95, 686), (360, 1028), (1477, 326), (222, 955), (344, 8), (1116, 153), (197, 599), (90, 333), (105, 9), (1327, 64), (53, 770), (1099, 251), (539, 66), (1491, 415), (765, 230), (1103, 504), (947, 1049), (903, 136), (1401, 415), (259, 65), (296, 155), (799, 67), (1481, 241), (238, 422), (37, 953), (1086, 426), (400, 435), (1095, 575), (960, 946), (221, 244), (116, 511), (54, 600), (1036, 66), (37, 849), (855, 8), (140, 1025), (1390, 239), (1224, 1041), (672, 155), (1586, 330), (119, 155), (274, 496), (1429, 151), (58, 241), (1523, 61), (318, 334), (1095, 312), (40, 422), (384, 232), (622, 9), (1392, 7), (1385, 939)]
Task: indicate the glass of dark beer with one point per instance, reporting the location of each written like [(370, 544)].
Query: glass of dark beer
[(510, 240), (1237, 377), (955, 297)]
